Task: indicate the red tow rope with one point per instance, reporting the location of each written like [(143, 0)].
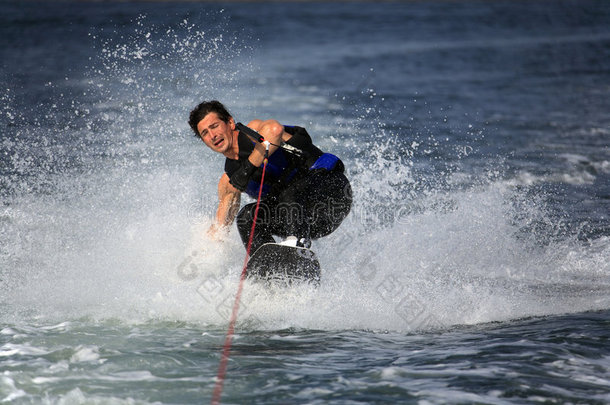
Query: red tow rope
[(222, 368)]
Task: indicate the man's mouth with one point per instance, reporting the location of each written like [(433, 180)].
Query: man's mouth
[(218, 142)]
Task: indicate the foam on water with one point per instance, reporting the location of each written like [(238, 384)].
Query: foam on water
[(119, 230)]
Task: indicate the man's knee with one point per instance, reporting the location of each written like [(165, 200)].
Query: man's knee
[(245, 216)]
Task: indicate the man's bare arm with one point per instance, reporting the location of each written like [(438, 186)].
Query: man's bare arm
[(229, 199)]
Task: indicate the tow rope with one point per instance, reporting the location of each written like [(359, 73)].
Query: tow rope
[(222, 368)]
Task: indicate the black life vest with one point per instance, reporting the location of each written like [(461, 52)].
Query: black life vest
[(282, 167)]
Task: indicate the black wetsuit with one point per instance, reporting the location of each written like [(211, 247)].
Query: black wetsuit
[(297, 201)]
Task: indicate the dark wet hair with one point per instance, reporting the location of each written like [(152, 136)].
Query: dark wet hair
[(204, 109)]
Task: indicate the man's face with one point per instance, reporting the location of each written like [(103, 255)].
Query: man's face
[(215, 133)]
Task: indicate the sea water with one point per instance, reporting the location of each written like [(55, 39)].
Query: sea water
[(472, 268)]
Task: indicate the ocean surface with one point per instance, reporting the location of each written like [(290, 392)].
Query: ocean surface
[(473, 268)]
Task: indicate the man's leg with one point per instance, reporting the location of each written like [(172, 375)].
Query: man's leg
[(262, 231), (312, 207), (329, 203)]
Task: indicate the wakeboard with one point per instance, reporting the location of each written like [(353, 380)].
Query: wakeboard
[(282, 264)]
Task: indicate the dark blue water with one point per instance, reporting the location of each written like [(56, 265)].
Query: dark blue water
[(474, 264)]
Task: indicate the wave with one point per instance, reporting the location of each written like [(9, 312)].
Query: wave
[(118, 230)]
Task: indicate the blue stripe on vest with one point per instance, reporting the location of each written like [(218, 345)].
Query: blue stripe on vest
[(276, 164)]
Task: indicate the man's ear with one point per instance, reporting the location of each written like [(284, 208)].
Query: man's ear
[(232, 123)]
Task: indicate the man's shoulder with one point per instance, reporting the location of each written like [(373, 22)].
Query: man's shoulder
[(256, 124)]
